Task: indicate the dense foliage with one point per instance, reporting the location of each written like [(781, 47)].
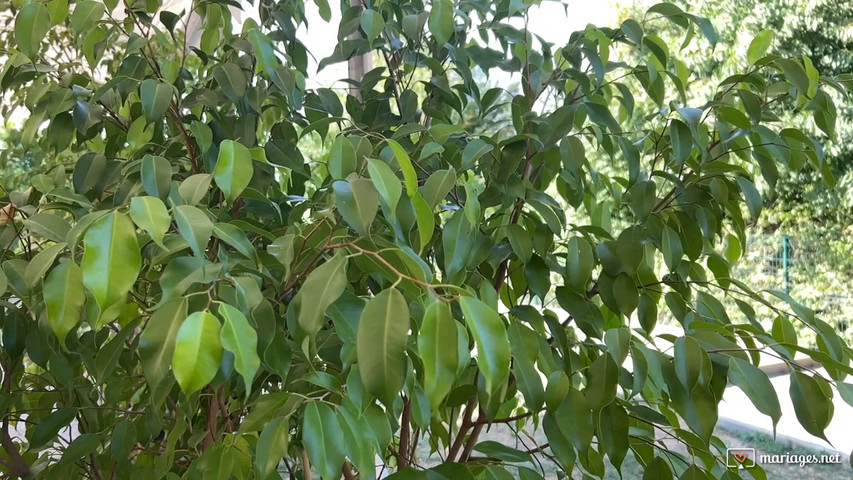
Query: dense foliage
[(192, 297)]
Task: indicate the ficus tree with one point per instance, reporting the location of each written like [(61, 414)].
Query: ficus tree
[(192, 297)]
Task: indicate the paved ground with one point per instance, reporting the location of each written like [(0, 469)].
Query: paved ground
[(736, 407)]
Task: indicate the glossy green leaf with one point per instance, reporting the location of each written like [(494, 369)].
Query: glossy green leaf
[(156, 176), (198, 351), (603, 379), (63, 298), (48, 225), (231, 80), (195, 227), (193, 189), (757, 387), (441, 23), (86, 14), (381, 344), (812, 404), (410, 177), (31, 26), (150, 214), (241, 339), (372, 24), (358, 202), (111, 261), (759, 46), (437, 347), (671, 246), (157, 341), (41, 263), (323, 439), (489, 333), (233, 170), (386, 183), (272, 445), (322, 287), (156, 97), (235, 237), (45, 432)]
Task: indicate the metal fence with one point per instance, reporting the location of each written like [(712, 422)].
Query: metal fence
[(816, 270)]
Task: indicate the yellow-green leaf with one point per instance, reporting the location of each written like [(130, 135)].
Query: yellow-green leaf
[(198, 352), (239, 338), (234, 169), (111, 261)]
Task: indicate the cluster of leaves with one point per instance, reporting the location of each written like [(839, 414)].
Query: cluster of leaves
[(193, 298)]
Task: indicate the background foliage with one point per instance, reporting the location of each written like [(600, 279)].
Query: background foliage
[(191, 295)]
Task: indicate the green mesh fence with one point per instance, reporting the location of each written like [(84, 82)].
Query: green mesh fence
[(816, 270)]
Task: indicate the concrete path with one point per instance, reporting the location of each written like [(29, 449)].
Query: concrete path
[(736, 411)]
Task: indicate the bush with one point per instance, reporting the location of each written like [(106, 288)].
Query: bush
[(192, 297)]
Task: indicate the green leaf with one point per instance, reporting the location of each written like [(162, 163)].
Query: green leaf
[(194, 188), (322, 287), (157, 341), (795, 74), (372, 24), (441, 23), (457, 242), (86, 15), (229, 76), (63, 299), (272, 445), (156, 97), (489, 332), (425, 221), (41, 263), (473, 151), (757, 387), (812, 404), (31, 26), (437, 186), (759, 46), (671, 246), (150, 214), (111, 261), (156, 176), (438, 348), (264, 51), (381, 344), (357, 201), (48, 225), (234, 169), (386, 183), (81, 446), (195, 227), (234, 236), (499, 451), (603, 378), (198, 352), (239, 338), (690, 361), (47, 429), (752, 197), (682, 141), (323, 439), (410, 177), (580, 263)]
